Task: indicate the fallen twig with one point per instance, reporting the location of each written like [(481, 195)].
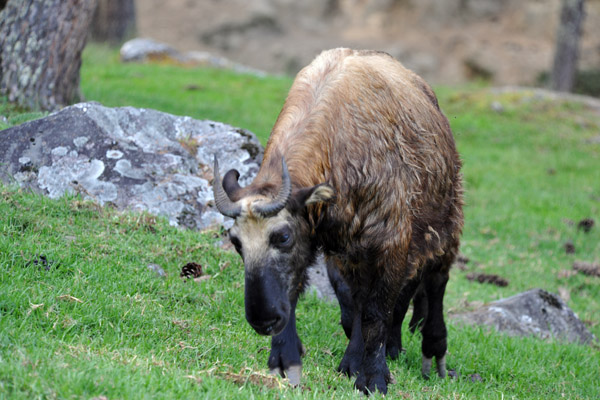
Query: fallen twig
[(587, 268), (69, 298), (488, 278)]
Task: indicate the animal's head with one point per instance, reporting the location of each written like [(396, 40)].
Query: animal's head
[(274, 239)]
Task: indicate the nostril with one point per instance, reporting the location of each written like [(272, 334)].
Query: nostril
[(270, 324)]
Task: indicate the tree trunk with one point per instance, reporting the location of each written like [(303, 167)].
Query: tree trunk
[(567, 45), (114, 21), (40, 51)]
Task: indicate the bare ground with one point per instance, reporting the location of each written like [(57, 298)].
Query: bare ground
[(508, 41)]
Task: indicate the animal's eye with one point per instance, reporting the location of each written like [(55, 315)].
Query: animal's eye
[(281, 238)]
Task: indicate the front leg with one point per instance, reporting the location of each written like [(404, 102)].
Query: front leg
[(287, 350), (353, 356), (374, 374), (344, 296)]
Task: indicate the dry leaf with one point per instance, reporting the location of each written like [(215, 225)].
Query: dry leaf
[(194, 378), (256, 378), (564, 293), (34, 307), (202, 278), (566, 273), (69, 298)]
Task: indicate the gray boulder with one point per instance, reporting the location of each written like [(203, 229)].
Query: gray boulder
[(132, 158), (146, 49), (532, 313)]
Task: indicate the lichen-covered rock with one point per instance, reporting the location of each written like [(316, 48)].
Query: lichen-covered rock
[(533, 313), (132, 158)]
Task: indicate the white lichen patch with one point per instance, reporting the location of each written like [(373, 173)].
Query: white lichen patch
[(80, 141), (59, 151), (76, 175), (114, 154), (125, 168)]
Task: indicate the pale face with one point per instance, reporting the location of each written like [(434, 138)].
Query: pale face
[(276, 247), (275, 251)]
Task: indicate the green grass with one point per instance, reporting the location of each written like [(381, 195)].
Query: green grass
[(100, 323), (11, 115), (204, 93)]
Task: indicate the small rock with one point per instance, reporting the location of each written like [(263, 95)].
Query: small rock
[(40, 260), (144, 49), (593, 140), (535, 313), (158, 270), (496, 106), (475, 377)]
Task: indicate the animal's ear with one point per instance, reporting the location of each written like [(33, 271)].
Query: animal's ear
[(311, 195), (319, 194)]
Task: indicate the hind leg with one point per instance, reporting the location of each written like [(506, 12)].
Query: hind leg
[(434, 328), (394, 340), (419, 310)]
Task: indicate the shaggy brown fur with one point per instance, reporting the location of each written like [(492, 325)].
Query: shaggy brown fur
[(372, 131)]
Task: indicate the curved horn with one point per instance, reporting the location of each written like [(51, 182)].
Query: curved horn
[(230, 183), (278, 203), (222, 200)]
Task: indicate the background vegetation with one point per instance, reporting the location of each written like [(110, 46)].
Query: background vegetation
[(82, 315)]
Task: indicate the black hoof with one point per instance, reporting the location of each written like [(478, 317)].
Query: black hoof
[(371, 383)]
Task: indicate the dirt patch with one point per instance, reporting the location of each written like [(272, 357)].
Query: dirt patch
[(508, 42)]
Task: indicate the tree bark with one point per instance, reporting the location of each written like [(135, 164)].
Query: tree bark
[(567, 45), (114, 21), (41, 42)]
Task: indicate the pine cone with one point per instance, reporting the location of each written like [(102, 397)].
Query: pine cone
[(191, 270)]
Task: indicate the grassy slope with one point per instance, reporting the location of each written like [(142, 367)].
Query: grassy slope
[(240, 100), (138, 336)]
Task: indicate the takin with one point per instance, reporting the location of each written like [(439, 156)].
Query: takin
[(360, 165)]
